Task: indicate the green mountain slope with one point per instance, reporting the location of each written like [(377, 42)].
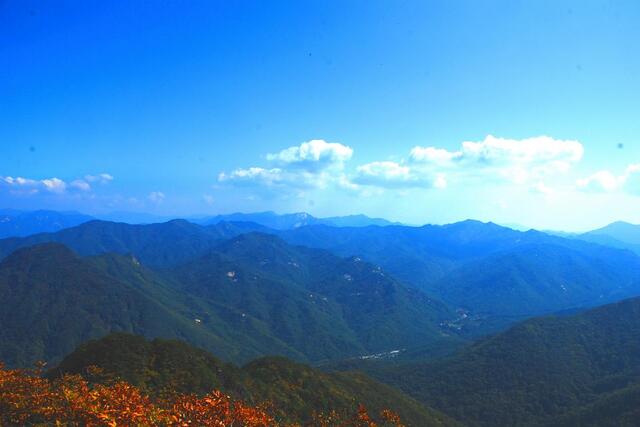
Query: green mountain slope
[(325, 306), (620, 408), (296, 391), (535, 372), (537, 279), (496, 274), (53, 300), (253, 295)]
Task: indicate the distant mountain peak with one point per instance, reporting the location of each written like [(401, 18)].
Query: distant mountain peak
[(295, 220), (619, 230), (15, 223)]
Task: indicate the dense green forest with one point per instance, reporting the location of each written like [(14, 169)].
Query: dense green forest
[(242, 291), (529, 273), (295, 391), (548, 370), (249, 296)]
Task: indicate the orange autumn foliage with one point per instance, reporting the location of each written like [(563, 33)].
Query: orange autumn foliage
[(28, 399)]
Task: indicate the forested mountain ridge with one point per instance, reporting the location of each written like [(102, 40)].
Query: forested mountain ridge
[(154, 245), (536, 279), (312, 306), (295, 391), (540, 372), (433, 249), (353, 304), (496, 275), (56, 300), (243, 291)]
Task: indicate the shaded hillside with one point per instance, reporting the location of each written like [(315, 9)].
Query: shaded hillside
[(536, 371), (54, 300), (620, 408), (323, 305), (498, 275), (295, 391), (537, 279), (430, 250), (253, 295)]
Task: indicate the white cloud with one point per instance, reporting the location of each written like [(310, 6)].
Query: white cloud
[(514, 160), (208, 199), (438, 156), (601, 181), (312, 164), (389, 174), (313, 155), (607, 181), (102, 178), (541, 188), (440, 181), (253, 175), (156, 197), (20, 185), (19, 181), (632, 179), (32, 186), (28, 186), (387, 171), (493, 150), (276, 178), (320, 164), (80, 184)]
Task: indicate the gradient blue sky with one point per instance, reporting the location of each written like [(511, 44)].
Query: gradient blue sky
[(185, 108)]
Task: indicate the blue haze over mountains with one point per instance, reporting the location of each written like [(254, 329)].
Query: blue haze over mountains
[(481, 277), (422, 308)]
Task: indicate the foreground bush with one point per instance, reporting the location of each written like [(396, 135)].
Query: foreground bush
[(28, 399)]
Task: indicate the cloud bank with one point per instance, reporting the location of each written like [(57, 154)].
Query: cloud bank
[(605, 181), (28, 186), (321, 164)]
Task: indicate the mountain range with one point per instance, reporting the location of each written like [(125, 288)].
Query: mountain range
[(486, 324), (487, 270), (582, 369), (15, 223), (294, 220), (248, 296), (477, 277)]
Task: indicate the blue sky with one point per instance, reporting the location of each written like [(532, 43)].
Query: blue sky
[(427, 111)]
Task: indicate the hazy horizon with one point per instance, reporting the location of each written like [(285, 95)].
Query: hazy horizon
[(138, 217)]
